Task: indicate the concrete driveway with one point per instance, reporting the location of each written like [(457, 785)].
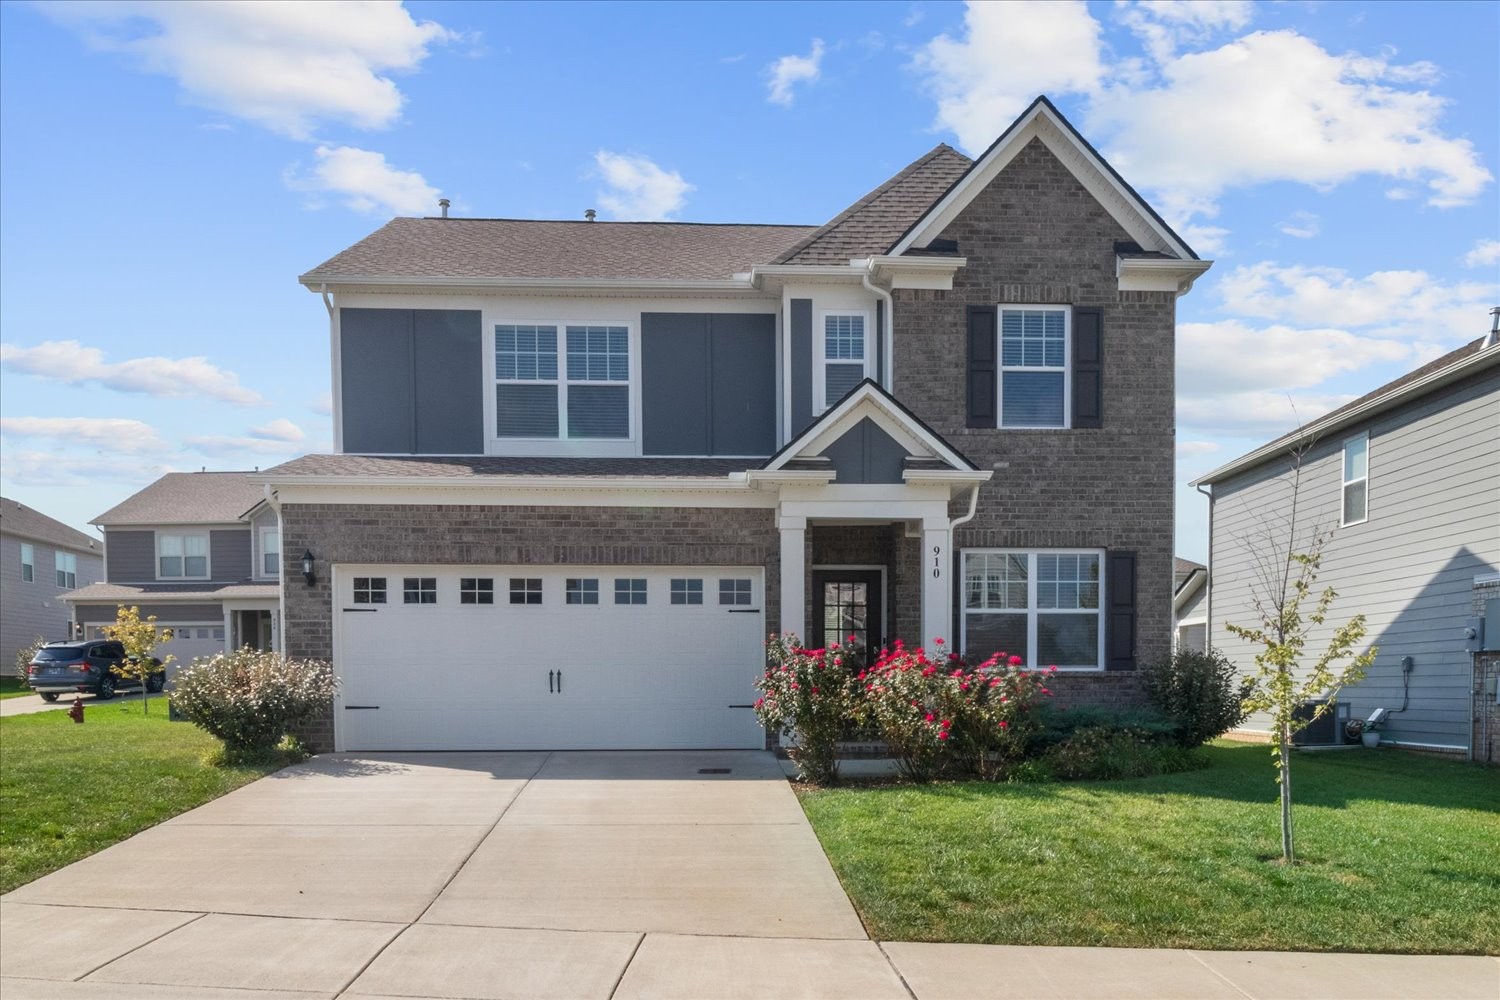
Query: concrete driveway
[(457, 875)]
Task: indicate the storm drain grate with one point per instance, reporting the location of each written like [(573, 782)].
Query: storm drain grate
[(714, 770)]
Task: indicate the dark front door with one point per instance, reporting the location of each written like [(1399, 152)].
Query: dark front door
[(847, 603)]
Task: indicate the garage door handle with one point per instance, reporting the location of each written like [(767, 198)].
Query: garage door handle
[(559, 682), (740, 706), (549, 680), (744, 611), (361, 708), (371, 610)]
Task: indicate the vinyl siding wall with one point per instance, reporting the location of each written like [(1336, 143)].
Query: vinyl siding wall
[(28, 610), (1433, 525), (132, 555)]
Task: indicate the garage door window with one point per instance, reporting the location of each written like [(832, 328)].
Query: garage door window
[(734, 592), (419, 590), (476, 590), (525, 590), (369, 590), (581, 591), (630, 591), (687, 591)]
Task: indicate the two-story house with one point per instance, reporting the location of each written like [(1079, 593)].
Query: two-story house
[(199, 550), (42, 559), (1405, 482), (583, 468)]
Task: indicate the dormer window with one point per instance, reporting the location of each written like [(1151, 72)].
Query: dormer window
[(587, 396), (847, 357)]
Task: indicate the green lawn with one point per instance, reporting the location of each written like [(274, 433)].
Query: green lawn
[(1399, 854), (13, 687), (67, 791)]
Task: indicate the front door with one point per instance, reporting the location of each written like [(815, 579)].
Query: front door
[(847, 602)]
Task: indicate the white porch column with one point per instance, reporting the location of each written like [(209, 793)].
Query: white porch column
[(793, 575), (937, 586)]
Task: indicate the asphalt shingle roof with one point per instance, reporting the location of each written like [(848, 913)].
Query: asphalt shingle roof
[(18, 519), (187, 498), (179, 591), (444, 467), (527, 248), (877, 221)]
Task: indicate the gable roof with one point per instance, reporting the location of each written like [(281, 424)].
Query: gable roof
[(1184, 568), (529, 248), (187, 498), (1472, 357), (20, 520), (876, 221), (1042, 120)]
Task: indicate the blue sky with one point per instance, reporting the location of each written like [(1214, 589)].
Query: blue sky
[(169, 169)]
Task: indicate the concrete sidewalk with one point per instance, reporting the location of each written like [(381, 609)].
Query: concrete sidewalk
[(647, 876), (32, 703)]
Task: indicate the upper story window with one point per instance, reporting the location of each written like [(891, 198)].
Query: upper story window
[(66, 564), (270, 552), (1034, 366), (1356, 479), (587, 396), (847, 357), (28, 563), (1043, 606), (182, 556)]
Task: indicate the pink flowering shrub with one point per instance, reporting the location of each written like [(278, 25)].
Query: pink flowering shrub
[(251, 698), (808, 693), (940, 715)]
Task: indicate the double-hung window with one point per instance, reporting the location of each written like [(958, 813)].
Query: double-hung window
[(1356, 479), (66, 564), (182, 556), (582, 393), (270, 552), (28, 563), (847, 357), (1043, 606), (1034, 366)]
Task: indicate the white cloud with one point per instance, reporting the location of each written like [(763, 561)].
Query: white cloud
[(1163, 25), (638, 189), (1406, 304), (70, 362), (285, 66), (1485, 252), (1302, 225), (788, 71), (323, 405), (280, 429), (1232, 356), (1189, 449), (1006, 55), (104, 433), (1261, 415), (366, 182), (48, 468), (220, 445)]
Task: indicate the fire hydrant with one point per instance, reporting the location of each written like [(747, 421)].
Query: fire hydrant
[(76, 712)]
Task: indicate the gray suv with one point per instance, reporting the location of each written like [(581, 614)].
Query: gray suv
[(88, 667)]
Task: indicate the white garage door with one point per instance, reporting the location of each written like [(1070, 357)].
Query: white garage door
[(516, 658), (188, 643)]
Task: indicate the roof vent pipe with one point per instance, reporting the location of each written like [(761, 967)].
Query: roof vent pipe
[(588, 215), (443, 204), (1494, 337)]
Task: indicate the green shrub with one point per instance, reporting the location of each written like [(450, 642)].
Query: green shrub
[(1057, 726), (25, 655), (1095, 754), (1199, 692), (808, 693), (251, 698)]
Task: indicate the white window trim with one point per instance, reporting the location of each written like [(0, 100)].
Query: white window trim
[(208, 554), (260, 552), (66, 558), (562, 445), (821, 402), (1032, 611), (1346, 483), (28, 550), (1001, 369)]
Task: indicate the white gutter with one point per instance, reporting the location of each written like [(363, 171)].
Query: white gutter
[(321, 282), (481, 483), (279, 632), (887, 338), (1158, 274)]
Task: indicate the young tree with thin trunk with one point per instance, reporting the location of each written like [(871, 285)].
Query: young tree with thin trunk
[(1287, 556), (140, 637)]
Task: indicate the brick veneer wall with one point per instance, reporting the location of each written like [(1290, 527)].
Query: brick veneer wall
[(482, 535), (1036, 236), (877, 545)]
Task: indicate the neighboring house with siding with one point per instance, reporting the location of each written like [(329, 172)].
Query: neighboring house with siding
[(1189, 609), (43, 559), (1407, 480), (587, 466), (199, 550)]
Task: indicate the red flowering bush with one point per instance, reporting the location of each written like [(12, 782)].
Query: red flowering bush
[(809, 695), (940, 715)]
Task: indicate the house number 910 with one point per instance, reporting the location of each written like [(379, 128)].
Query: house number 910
[(937, 562)]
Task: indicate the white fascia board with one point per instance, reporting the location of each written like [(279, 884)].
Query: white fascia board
[(1137, 274), (851, 271), (1190, 586), (548, 284), (1473, 363), (568, 483), (512, 492), (789, 477), (917, 272), (1039, 122), (841, 418)]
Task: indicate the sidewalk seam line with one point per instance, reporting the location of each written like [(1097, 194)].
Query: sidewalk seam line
[(626, 967), (1215, 972), (880, 946), (131, 951)]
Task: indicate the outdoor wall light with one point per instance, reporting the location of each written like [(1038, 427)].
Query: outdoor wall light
[(307, 567)]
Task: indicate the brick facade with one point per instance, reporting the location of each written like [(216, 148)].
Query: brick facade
[(876, 545), (1036, 236)]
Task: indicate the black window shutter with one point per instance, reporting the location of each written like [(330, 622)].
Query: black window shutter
[(1088, 368), (1119, 625), (984, 345)]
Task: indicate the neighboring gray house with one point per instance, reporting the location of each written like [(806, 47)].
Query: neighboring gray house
[(199, 550), (1189, 609), (1407, 478), (43, 559), (583, 468)]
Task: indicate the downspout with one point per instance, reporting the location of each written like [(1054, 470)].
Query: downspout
[(336, 396), (275, 504), (885, 378), (1208, 582)]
